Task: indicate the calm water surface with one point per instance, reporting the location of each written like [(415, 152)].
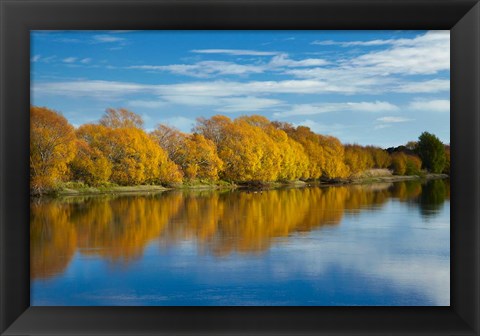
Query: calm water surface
[(380, 244)]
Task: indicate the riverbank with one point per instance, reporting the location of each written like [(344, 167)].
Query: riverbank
[(396, 178), (370, 177), (78, 189)]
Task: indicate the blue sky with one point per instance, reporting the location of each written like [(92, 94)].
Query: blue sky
[(369, 87)]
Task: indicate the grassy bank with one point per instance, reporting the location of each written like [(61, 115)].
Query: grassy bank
[(368, 177), (72, 188)]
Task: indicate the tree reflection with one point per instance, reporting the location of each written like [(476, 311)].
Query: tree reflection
[(53, 239), (433, 197), (118, 228)]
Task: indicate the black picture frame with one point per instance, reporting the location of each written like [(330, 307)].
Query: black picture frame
[(18, 17)]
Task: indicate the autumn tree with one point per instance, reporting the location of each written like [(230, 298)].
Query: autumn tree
[(199, 159), (138, 159), (90, 165), (52, 147), (411, 145), (248, 153), (358, 158), (380, 157), (432, 152), (311, 146), (446, 168), (121, 118), (294, 162), (399, 163), (170, 139), (413, 165), (213, 128), (134, 155), (333, 152)]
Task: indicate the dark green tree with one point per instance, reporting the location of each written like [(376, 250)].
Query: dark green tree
[(432, 152)]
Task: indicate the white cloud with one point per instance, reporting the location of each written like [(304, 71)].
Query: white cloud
[(68, 40), (312, 109), (191, 99), (374, 72), (246, 104), (424, 54), (85, 60), (48, 59), (105, 89), (235, 52), (377, 106), (429, 86), (386, 122), (69, 60), (382, 126), (232, 88), (204, 68), (226, 105), (438, 105), (107, 39), (35, 58), (393, 119), (427, 38), (386, 70), (282, 60), (150, 104), (355, 43), (95, 89)]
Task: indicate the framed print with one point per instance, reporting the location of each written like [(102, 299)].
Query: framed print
[(240, 168)]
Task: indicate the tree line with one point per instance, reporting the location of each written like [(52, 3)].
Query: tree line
[(117, 150)]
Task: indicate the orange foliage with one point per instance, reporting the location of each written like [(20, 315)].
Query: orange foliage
[(200, 158), (52, 147), (247, 149), (90, 165)]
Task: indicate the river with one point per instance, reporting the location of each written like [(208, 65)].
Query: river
[(378, 244)]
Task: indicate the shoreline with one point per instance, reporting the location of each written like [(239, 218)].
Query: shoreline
[(122, 190)]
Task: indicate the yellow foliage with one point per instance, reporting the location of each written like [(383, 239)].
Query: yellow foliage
[(380, 157), (247, 149), (52, 147), (312, 147), (213, 128), (170, 139), (399, 163), (90, 165), (354, 159), (248, 153), (135, 156), (413, 165), (53, 239), (200, 158), (333, 163)]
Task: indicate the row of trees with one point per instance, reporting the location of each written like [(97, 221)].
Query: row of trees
[(247, 149)]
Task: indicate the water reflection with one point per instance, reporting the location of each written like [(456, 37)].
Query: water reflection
[(118, 228), (433, 197)]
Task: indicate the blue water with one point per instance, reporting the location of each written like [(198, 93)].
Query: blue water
[(366, 245)]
